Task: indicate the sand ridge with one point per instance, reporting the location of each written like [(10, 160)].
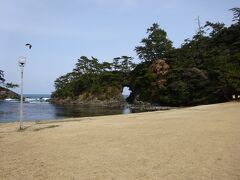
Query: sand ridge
[(201, 142)]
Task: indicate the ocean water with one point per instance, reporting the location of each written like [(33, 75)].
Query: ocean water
[(36, 108)]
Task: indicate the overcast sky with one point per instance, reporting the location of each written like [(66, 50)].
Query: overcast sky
[(63, 30)]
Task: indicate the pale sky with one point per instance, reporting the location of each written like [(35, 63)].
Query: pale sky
[(63, 30)]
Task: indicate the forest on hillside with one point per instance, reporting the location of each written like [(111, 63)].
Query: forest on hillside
[(205, 69)]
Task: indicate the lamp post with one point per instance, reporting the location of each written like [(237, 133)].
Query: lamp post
[(21, 63)]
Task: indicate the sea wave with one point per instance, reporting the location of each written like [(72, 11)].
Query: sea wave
[(30, 100), (36, 100), (11, 100)]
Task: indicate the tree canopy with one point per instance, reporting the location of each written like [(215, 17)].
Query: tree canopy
[(2, 81), (155, 46), (90, 77), (2, 76), (236, 14)]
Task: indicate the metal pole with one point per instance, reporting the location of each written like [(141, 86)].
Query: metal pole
[(21, 102)]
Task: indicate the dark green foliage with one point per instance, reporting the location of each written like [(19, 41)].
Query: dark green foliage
[(140, 81), (206, 69), (91, 78), (1, 77), (11, 85), (155, 46), (236, 14), (218, 56)]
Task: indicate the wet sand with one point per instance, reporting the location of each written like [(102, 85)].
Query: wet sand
[(201, 142)]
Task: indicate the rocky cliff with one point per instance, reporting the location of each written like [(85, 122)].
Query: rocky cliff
[(6, 93), (111, 97)]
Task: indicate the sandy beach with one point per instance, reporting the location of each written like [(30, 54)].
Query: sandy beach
[(201, 142)]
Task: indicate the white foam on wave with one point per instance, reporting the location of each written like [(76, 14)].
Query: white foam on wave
[(36, 100), (11, 100), (29, 100)]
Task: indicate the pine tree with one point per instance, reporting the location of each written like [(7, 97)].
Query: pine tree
[(155, 46)]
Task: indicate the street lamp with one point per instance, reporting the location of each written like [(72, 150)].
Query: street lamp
[(21, 63)]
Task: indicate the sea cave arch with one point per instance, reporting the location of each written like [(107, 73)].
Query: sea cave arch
[(126, 92)]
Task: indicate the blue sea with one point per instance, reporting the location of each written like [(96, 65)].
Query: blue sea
[(37, 108)]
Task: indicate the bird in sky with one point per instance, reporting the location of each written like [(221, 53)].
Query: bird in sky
[(29, 45)]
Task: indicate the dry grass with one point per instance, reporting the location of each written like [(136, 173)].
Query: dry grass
[(202, 142)]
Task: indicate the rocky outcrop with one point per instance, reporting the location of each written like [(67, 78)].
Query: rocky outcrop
[(109, 93), (111, 99), (94, 102), (6, 93)]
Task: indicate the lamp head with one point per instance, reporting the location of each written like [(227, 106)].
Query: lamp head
[(22, 61)]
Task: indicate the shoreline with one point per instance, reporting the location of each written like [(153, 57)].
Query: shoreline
[(32, 113), (200, 142), (152, 109)]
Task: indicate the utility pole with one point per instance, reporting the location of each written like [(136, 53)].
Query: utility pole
[(21, 63)]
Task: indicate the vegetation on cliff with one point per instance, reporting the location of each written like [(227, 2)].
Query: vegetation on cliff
[(205, 69), (94, 82), (4, 88)]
